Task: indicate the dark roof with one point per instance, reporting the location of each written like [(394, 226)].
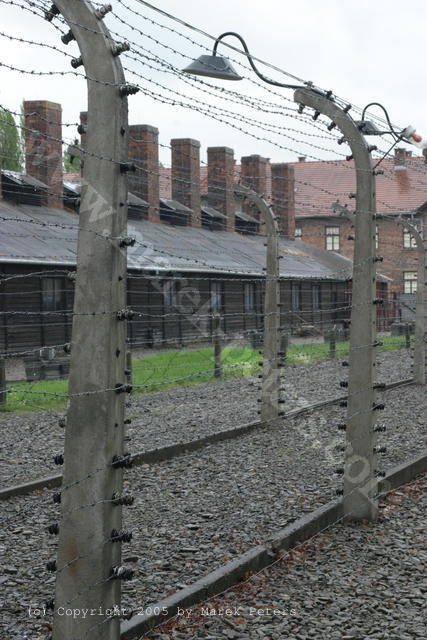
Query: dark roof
[(212, 213), (175, 206), (247, 218), (73, 187), (25, 240), (136, 201), (23, 179)]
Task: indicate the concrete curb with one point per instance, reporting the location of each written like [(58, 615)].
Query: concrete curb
[(172, 451), (261, 556), (22, 489)]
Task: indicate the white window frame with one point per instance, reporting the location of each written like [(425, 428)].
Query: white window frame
[(170, 294), (332, 238), (217, 297), (53, 293), (296, 296), (249, 294), (409, 241), (316, 297), (409, 282), (298, 232)]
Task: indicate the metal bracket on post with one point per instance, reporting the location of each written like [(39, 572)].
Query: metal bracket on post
[(95, 420), (271, 370), (360, 479)]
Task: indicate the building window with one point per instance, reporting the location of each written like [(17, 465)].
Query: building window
[(409, 241), (316, 297), (249, 295), (217, 297), (53, 294), (296, 296), (332, 238), (298, 232), (377, 236), (169, 294), (409, 282)]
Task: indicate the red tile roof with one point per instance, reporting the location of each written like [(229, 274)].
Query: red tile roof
[(319, 184)]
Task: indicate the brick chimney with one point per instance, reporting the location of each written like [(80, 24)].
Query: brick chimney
[(143, 150), (43, 148), (254, 174), (221, 181), (400, 157), (186, 176), (283, 197)]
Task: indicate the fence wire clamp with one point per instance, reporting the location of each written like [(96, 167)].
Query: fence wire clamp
[(51, 13), (68, 37), (120, 535), (128, 89), (125, 314), (122, 462), (76, 62), (120, 572), (125, 167), (101, 12), (125, 500), (119, 47), (126, 241), (53, 529)]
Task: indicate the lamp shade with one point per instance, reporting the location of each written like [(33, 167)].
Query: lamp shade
[(213, 67)]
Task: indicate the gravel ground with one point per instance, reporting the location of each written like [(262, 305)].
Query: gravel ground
[(195, 512), (165, 417), (353, 582)]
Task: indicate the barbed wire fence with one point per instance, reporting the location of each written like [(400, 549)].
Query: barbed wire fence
[(88, 567)]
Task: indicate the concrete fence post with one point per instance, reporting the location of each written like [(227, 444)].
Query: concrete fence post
[(332, 342), (3, 394), (407, 336), (128, 371), (216, 330), (271, 370), (284, 344), (88, 566), (360, 468)]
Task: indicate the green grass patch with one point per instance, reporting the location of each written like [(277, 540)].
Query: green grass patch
[(303, 353), (174, 367)]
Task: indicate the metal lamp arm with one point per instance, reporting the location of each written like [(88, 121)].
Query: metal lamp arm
[(378, 104), (251, 62)]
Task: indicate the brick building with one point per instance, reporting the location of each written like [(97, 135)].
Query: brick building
[(311, 198), (324, 189), (198, 248)]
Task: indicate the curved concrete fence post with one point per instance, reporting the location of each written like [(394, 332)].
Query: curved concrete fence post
[(270, 369), (360, 469), (95, 420)]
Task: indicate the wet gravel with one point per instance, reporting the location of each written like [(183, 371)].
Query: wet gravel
[(160, 418), (352, 582), (196, 511)]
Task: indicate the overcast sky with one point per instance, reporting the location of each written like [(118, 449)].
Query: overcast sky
[(370, 50)]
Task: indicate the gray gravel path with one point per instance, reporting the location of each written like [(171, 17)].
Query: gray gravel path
[(353, 582), (178, 415), (196, 511)]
